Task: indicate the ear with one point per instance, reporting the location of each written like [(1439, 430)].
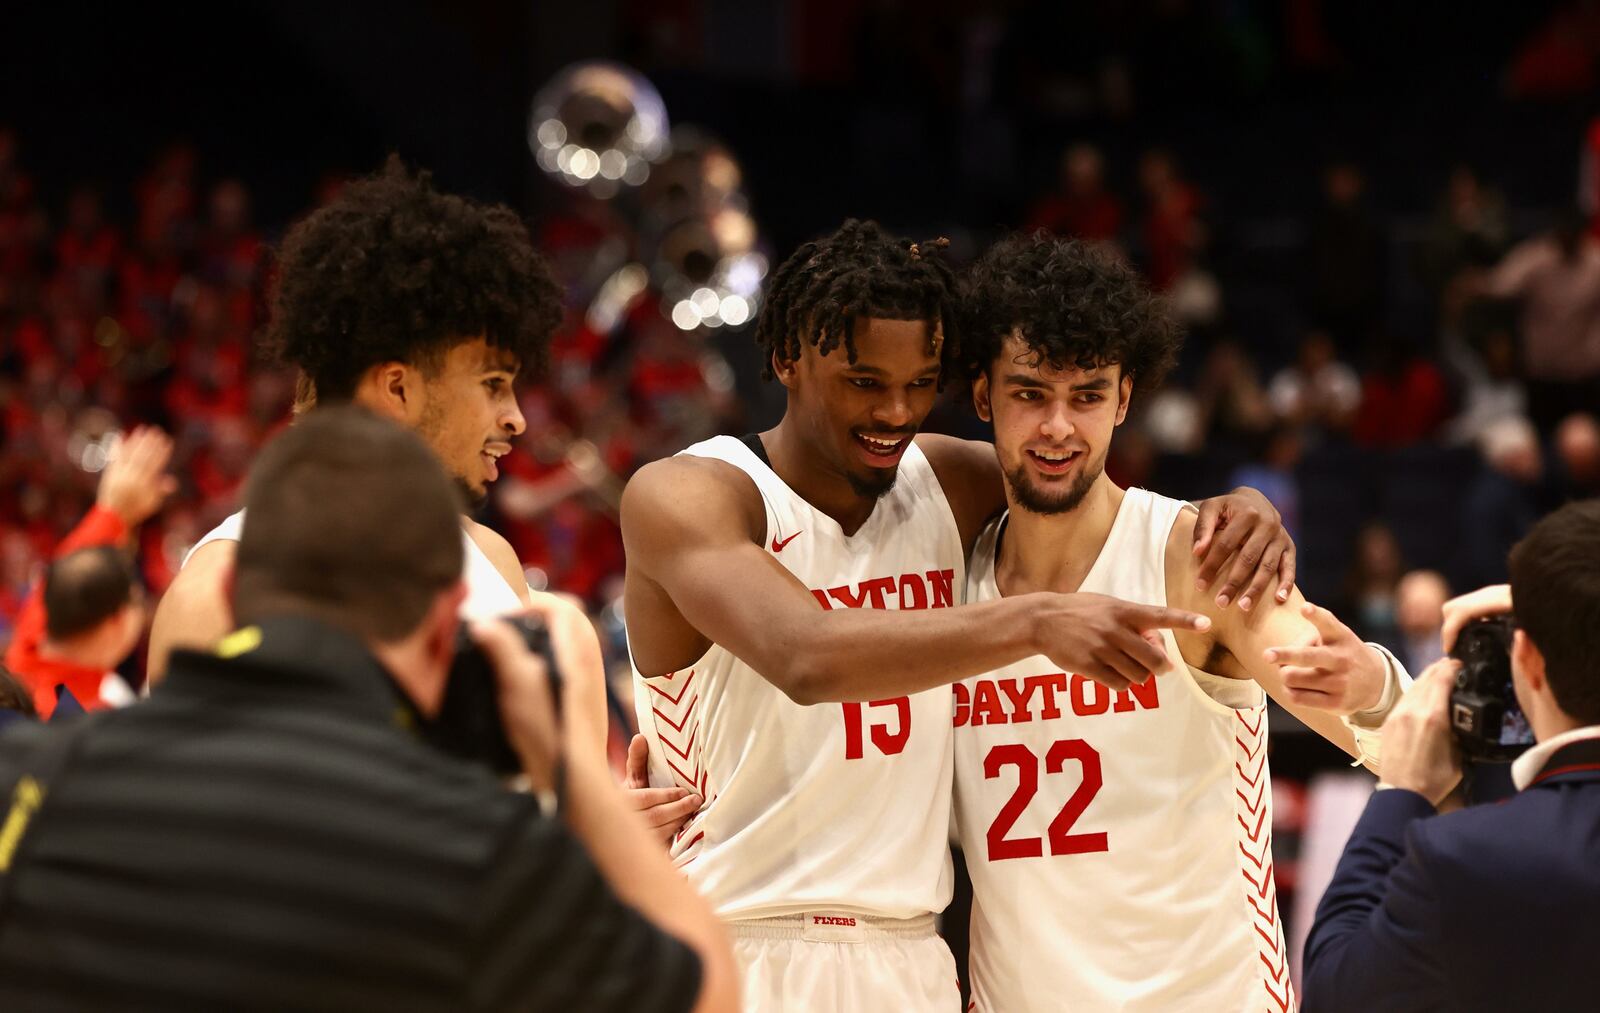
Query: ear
[(786, 370), (1124, 396), (392, 389), (980, 398), (1529, 661), (443, 620)]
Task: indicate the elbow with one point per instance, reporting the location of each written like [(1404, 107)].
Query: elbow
[(806, 680)]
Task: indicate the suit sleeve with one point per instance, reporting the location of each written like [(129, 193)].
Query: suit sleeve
[(1376, 943)]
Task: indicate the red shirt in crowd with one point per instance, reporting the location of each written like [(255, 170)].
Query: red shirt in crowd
[(42, 674)]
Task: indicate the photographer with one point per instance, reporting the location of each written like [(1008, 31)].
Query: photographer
[(272, 828), (1491, 908)]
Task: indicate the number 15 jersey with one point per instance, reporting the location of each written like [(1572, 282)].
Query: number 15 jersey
[(1119, 842), (832, 807)]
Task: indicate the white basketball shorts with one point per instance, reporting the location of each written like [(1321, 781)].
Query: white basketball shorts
[(828, 962)]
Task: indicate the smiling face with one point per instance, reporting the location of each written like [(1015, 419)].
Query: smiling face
[(470, 413), (1052, 427), (859, 417)]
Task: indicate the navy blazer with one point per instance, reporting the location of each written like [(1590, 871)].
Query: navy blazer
[(1496, 907)]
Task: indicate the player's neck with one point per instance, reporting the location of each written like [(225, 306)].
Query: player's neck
[(1054, 552), (820, 486)]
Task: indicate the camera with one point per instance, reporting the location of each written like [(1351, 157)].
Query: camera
[(469, 725), (1488, 721)]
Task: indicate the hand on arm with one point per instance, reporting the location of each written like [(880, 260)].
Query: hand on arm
[(1240, 542)]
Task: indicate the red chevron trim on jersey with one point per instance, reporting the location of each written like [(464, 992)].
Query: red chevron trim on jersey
[(678, 727), (684, 752), (1252, 787), (681, 689)]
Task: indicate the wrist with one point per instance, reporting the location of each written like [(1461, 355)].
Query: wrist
[(1391, 679)]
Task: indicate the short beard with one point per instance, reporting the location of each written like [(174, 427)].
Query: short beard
[(1030, 498), (471, 499), (874, 488)]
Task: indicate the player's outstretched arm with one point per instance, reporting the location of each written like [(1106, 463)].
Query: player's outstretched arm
[(193, 613), (693, 531), (1306, 660)]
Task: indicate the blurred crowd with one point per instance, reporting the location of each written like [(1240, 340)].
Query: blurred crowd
[(104, 323), (1405, 463)]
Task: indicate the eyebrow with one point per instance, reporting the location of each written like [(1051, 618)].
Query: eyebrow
[(875, 371), (505, 364), (1026, 380)]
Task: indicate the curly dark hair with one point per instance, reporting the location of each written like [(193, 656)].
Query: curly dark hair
[(1073, 303), (394, 270), (859, 271)]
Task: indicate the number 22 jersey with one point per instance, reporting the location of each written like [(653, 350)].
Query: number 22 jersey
[(1120, 843)]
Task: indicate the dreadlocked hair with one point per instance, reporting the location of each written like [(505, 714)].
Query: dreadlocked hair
[(1073, 305), (394, 270), (860, 271)]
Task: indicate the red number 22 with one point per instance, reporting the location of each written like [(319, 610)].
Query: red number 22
[(1061, 841)]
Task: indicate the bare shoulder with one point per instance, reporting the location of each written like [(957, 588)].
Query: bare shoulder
[(194, 611), (561, 607), (687, 494), (1182, 566), (969, 474)]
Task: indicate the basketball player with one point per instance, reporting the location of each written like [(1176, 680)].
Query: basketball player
[(1119, 841), (773, 681), (421, 306)]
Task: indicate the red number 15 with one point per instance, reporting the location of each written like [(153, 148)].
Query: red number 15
[(888, 742)]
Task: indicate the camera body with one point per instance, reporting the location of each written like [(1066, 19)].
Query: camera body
[(469, 724), (1488, 720)]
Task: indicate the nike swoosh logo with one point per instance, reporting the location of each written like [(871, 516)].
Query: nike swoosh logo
[(777, 546)]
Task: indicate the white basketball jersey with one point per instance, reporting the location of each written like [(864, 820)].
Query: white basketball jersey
[(835, 807), (488, 594), (1120, 844)]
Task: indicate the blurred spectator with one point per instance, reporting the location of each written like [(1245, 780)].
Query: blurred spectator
[(1317, 391), (1173, 231), (1233, 407), (1575, 467), (1081, 208), (1403, 399), (1490, 388), (1419, 613), (89, 614), (1347, 260), (1274, 474), (1502, 502), (1556, 278), (1372, 585), (1468, 230)]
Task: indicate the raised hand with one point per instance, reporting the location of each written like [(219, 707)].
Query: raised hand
[(1240, 539), (665, 810), (1330, 669), (1114, 642), (135, 484)]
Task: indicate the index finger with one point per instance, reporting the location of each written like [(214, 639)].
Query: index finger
[(1161, 617), (1223, 545)]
